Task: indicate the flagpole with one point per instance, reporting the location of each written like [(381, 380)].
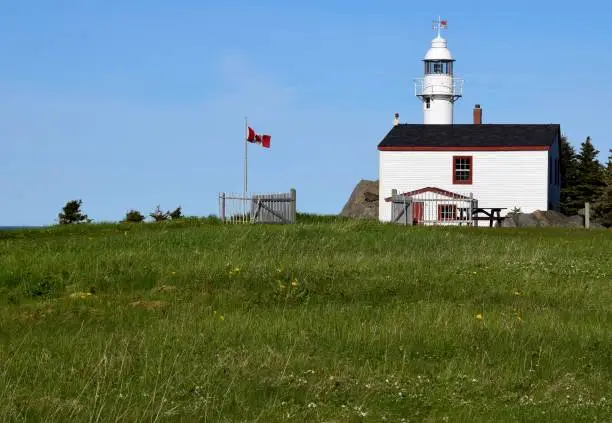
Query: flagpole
[(246, 168)]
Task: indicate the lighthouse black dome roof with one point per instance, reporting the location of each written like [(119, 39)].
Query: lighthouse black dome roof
[(469, 135)]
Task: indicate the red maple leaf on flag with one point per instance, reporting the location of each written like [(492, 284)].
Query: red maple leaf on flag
[(261, 139)]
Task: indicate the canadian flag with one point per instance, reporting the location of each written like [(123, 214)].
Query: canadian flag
[(263, 140)]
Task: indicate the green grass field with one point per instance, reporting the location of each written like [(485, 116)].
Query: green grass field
[(323, 321)]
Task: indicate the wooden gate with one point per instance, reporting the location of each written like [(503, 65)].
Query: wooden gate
[(258, 208), (401, 210)]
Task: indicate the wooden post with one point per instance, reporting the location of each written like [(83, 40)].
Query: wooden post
[(222, 207), (470, 211), (293, 206), (587, 215), (408, 208)]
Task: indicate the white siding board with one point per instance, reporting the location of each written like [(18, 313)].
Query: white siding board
[(500, 178)]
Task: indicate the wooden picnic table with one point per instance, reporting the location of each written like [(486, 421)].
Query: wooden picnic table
[(490, 213)]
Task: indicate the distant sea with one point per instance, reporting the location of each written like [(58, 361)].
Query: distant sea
[(12, 228)]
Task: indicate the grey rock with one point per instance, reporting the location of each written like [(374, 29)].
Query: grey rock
[(581, 212), (553, 218), (575, 222), (508, 222), (526, 220), (370, 196), (541, 218), (363, 202)]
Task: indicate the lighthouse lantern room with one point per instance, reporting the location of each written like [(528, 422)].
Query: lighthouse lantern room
[(438, 89)]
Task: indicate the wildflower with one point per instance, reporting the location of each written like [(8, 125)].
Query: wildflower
[(518, 293), (281, 285), (478, 316), (312, 405), (81, 295), (294, 282)]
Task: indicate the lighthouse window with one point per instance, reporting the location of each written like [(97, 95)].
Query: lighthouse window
[(438, 67)]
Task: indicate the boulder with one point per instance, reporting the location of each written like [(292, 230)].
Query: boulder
[(541, 218), (525, 220), (363, 202), (508, 222), (575, 222), (552, 218)]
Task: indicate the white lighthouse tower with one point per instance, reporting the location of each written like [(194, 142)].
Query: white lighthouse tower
[(438, 89)]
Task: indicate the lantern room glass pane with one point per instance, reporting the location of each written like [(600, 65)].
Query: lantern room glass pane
[(438, 67)]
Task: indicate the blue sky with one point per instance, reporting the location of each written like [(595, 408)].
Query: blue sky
[(134, 103)]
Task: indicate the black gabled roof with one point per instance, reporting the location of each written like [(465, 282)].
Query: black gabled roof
[(470, 135)]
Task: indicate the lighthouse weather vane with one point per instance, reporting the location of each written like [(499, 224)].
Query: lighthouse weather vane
[(439, 24)]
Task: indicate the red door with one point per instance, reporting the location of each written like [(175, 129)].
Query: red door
[(418, 209)]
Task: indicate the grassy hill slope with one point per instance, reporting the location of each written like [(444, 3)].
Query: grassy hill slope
[(336, 321)]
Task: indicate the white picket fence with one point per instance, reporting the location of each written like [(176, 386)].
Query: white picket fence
[(433, 208), (258, 208)]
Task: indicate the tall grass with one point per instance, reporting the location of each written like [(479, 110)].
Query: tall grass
[(320, 321)]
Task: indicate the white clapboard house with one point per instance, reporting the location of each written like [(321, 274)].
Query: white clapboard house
[(448, 171)]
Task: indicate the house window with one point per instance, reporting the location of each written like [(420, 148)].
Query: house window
[(447, 212), (462, 170)]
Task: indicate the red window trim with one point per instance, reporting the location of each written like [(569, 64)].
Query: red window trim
[(454, 212), (466, 182)]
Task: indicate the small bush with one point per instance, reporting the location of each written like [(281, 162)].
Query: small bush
[(134, 216), (158, 215), (176, 213)]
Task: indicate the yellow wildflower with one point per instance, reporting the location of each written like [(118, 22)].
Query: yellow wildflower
[(478, 316), (81, 295), (294, 282)]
